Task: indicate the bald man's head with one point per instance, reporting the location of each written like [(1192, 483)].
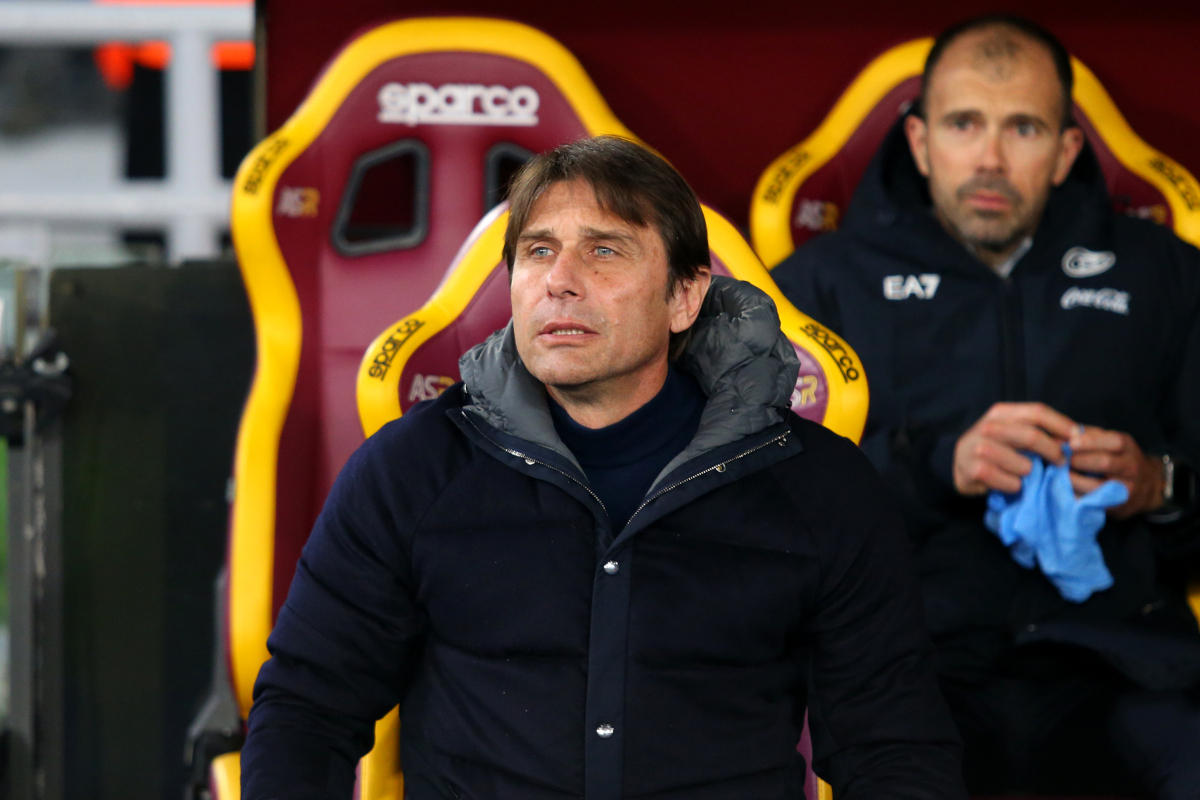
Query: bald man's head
[(994, 134), (996, 43)]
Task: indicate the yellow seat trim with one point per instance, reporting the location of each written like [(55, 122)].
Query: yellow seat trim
[(276, 306), (225, 775), (379, 775), (771, 206)]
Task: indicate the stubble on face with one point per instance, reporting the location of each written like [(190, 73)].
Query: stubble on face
[(985, 229)]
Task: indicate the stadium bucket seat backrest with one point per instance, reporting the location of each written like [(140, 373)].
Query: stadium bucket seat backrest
[(349, 215), (416, 358), (805, 192)]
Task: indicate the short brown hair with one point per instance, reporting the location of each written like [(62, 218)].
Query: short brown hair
[(630, 182)]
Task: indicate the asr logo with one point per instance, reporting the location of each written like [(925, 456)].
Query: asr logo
[(428, 387), (902, 287), (414, 104), (1079, 262), (817, 215), (298, 202)]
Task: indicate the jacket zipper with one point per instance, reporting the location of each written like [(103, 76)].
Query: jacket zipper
[(1012, 342), (531, 460), (714, 468)]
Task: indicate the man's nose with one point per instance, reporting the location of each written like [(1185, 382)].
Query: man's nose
[(993, 158), (563, 279)]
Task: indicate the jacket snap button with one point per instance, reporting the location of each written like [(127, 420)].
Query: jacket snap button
[(612, 568), (530, 461), (604, 731), (720, 467)]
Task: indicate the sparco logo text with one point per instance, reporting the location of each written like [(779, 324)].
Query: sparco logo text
[(458, 104)]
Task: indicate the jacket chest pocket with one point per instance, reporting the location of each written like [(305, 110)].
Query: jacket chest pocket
[(943, 348), (509, 587), (696, 599), (1091, 348)]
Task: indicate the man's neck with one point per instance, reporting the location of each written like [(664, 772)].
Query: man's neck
[(603, 403), (1003, 262)]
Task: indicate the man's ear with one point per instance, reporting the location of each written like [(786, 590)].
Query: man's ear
[(1069, 148), (918, 142), (687, 299)]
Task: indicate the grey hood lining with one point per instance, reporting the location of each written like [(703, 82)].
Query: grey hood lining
[(737, 353)]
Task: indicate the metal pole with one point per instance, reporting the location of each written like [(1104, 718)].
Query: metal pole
[(193, 149)]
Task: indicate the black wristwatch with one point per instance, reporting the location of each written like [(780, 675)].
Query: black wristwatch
[(1179, 490)]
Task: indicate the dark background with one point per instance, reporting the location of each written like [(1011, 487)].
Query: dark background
[(161, 361), (721, 88)]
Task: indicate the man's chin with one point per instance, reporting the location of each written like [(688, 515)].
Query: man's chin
[(996, 238), (565, 376)]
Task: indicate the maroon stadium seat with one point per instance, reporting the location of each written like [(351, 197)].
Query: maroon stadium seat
[(345, 218)]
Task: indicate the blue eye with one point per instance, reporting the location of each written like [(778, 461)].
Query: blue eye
[(1026, 129), (541, 251), (605, 251)]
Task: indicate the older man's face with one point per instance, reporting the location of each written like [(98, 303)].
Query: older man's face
[(589, 294), (992, 143)]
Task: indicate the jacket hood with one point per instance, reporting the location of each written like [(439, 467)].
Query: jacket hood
[(891, 207), (737, 353)]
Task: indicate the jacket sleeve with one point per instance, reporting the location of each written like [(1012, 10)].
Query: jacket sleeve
[(343, 645), (880, 726), (1181, 412)]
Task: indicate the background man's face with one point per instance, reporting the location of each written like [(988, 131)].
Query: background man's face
[(589, 292), (991, 142)]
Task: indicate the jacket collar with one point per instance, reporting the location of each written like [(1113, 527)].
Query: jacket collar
[(891, 210), (737, 353)]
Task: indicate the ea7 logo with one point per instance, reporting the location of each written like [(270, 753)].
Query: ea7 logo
[(458, 104), (901, 287)]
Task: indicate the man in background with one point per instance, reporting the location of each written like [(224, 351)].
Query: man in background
[(1012, 324)]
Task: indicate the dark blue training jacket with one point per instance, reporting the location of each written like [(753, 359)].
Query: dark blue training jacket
[(1099, 320), (463, 568)]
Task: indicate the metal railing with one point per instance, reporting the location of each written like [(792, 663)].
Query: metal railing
[(192, 204)]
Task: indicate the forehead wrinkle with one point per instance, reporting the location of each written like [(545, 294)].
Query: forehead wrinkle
[(608, 234)]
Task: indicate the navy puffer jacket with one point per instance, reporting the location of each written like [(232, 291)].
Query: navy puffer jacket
[(462, 568)]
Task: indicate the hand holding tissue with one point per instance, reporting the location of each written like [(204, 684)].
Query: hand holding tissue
[(1047, 526)]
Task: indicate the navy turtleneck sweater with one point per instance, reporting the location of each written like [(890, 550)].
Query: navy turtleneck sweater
[(623, 459)]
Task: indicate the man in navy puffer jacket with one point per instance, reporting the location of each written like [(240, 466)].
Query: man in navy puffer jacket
[(594, 570), (1003, 310)]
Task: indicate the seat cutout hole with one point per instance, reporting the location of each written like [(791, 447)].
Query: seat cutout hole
[(386, 202), (503, 161)]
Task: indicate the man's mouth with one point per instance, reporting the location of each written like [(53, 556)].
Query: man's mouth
[(990, 201), (565, 329)]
